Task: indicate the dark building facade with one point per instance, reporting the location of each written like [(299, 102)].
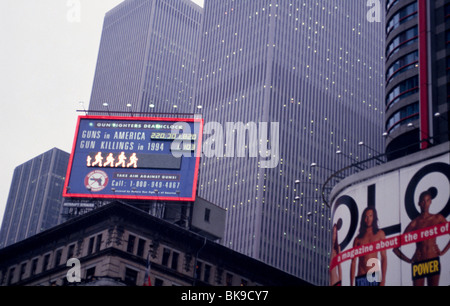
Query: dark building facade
[(417, 75), (313, 71), (35, 199), (147, 57), (120, 245)]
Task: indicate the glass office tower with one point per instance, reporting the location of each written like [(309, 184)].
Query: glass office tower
[(35, 200), (147, 57), (313, 71)]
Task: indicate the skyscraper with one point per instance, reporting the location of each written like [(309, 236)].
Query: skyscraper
[(417, 75), (35, 199), (147, 57), (314, 73)]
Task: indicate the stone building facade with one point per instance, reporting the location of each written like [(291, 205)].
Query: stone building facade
[(116, 244)]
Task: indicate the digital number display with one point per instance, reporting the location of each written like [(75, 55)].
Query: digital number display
[(173, 136)]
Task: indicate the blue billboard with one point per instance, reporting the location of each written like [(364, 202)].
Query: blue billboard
[(135, 158)]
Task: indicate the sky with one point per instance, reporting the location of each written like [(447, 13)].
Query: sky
[(48, 56)]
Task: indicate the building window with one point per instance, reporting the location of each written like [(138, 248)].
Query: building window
[(448, 76), (207, 273), (219, 275), (402, 65), (165, 258), (58, 256), (46, 262), (448, 67), (390, 3), (12, 271), (23, 268), (229, 279), (91, 246), (71, 251), (130, 276), (403, 15), (198, 270), (207, 214), (98, 243), (34, 265), (402, 90), (402, 40), (141, 247), (175, 257), (404, 116), (159, 282), (90, 273), (130, 245)]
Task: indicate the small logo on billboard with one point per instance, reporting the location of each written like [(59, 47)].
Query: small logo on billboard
[(96, 181)]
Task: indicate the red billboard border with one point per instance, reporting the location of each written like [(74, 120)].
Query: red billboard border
[(135, 197)]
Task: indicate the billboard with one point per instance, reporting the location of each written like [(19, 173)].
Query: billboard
[(135, 158), (393, 229)]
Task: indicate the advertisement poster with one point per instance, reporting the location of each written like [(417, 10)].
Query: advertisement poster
[(393, 229), (135, 158)]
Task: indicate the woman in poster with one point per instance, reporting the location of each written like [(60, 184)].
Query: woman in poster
[(336, 272)]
